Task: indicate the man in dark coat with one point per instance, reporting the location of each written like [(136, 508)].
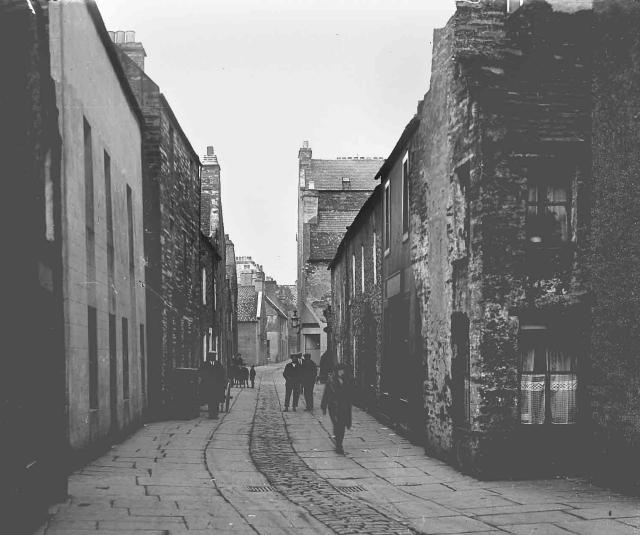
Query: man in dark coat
[(214, 382), (326, 364), (337, 398), (309, 371), (252, 375), (291, 376)]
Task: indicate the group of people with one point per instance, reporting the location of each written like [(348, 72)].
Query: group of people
[(300, 377), (214, 381), (240, 375)]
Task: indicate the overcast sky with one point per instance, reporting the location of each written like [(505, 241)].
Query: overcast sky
[(254, 78)]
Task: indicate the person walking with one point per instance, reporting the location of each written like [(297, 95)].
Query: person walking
[(252, 375), (291, 376), (213, 383), (308, 373), (326, 364), (337, 398)]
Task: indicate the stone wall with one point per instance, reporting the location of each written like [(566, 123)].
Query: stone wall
[(615, 334)]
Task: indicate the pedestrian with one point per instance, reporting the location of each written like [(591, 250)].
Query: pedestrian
[(326, 364), (244, 378), (213, 384), (291, 376), (308, 373), (252, 375), (337, 398)]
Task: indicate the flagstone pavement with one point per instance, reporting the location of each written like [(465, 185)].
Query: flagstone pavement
[(259, 470)]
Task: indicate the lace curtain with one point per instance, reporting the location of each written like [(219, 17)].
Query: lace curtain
[(562, 384)]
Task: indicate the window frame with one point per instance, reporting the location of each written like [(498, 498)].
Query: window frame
[(405, 197), (387, 217), (542, 204), (541, 336), (362, 267)]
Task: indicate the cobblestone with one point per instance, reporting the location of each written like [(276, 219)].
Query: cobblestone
[(274, 456), (199, 476)]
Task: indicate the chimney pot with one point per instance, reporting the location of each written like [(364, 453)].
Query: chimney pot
[(119, 36), (112, 36), (305, 144), (130, 37), (209, 150)]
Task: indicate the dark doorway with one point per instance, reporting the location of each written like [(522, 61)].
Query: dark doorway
[(113, 374)]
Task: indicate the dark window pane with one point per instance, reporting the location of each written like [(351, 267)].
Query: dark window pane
[(558, 223), (562, 401), (532, 399)]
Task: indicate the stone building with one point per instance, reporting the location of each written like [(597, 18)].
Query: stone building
[(182, 268), (33, 454), (356, 307), (101, 228), (278, 348), (330, 193), (499, 221), (212, 223), (614, 371), (232, 290), (252, 324), (521, 280), (272, 336)]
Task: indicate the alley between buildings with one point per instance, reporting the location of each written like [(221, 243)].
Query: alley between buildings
[(259, 470)]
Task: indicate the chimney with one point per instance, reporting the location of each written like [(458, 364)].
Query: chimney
[(126, 41), (304, 154), (258, 281), (210, 158), (245, 278)]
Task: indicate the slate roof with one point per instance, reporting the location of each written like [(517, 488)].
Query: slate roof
[(247, 303), (327, 174), (335, 221)]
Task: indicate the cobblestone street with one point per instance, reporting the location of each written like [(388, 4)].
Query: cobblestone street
[(254, 471)]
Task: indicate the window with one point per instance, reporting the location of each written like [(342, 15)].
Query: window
[(513, 5), (346, 182), (353, 274), (204, 347), (405, 196), (49, 224), (172, 151), (90, 237), (374, 254), (109, 208), (548, 211), (113, 371), (204, 286), (463, 204), (548, 379), (143, 364), (461, 380), (362, 268), (125, 358), (130, 232), (354, 356), (93, 356), (387, 217)]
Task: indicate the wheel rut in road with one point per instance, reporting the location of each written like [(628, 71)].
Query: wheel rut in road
[(273, 455)]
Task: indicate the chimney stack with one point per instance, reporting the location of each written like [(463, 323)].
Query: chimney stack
[(126, 41)]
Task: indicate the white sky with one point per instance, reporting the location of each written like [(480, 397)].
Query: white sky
[(254, 78)]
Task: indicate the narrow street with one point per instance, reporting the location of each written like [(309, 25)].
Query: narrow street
[(259, 470)]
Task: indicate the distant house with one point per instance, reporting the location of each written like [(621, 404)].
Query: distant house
[(330, 194), (252, 325), (277, 324)]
